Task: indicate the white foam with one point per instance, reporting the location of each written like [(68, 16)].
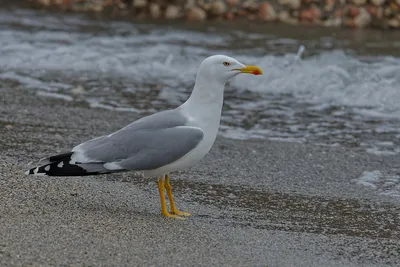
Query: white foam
[(55, 95), (115, 54), (386, 184)]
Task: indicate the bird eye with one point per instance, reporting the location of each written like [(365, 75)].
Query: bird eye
[(226, 64)]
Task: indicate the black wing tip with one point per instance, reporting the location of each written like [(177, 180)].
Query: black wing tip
[(61, 168), (59, 165)]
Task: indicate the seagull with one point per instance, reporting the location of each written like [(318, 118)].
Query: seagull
[(161, 143)]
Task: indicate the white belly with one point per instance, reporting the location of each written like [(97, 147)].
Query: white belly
[(205, 116), (186, 161)]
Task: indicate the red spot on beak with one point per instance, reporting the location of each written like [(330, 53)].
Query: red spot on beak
[(256, 72)]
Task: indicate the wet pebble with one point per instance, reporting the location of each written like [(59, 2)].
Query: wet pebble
[(217, 8), (196, 13), (155, 10), (267, 12), (172, 12)]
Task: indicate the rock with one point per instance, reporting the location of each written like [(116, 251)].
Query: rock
[(139, 3), (285, 17), (232, 3), (359, 2), (155, 10), (189, 4), (330, 5), (97, 8), (121, 5), (333, 22), (378, 2), (44, 2), (349, 23), (267, 12), (387, 12), (242, 13), (217, 8), (230, 16), (363, 19), (339, 13), (395, 7), (292, 4), (251, 17), (374, 11), (306, 15), (250, 5), (353, 11), (196, 13), (172, 12), (316, 12), (394, 23), (311, 15)]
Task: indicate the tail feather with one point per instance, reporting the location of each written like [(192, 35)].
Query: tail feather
[(59, 165)]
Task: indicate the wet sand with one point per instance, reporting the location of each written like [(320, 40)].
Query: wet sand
[(254, 203)]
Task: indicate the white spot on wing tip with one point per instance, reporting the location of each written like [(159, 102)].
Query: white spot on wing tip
[(27, 172), (47, 168), (60, 165), (112, 166)]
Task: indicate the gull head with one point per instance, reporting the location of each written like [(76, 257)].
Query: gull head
[(222, 68)]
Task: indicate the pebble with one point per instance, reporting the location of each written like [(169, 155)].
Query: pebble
[(375, 11), (378, 2), (155, 10), (217, 8), (172, 12), (139, 3), (333, 22), (353, 11), (293, 4), (44, 2), (230, 15), (267, 12), (310, 15), (232, 3), (196, 13), (359, 2), (363, 18), (394, 23), (284, 16)]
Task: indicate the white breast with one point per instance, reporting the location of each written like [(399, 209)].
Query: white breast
[(209, 123)]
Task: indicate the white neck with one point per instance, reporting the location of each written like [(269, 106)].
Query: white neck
[(205, 103)]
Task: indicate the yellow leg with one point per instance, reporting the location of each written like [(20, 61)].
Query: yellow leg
[(174, 210), (164, 210)]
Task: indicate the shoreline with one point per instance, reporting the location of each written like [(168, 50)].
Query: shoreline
[(378, 14), (263, 203)]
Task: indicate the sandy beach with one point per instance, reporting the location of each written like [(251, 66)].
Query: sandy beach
[(254, 203)]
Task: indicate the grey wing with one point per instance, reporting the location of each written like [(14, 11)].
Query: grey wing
[(148, 143), (161, 120), (159, 148)]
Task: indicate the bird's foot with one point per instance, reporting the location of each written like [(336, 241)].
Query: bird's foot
[(169, 215), (180, 213)]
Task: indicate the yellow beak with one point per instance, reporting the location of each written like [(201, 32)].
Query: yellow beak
[(251, 70)]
